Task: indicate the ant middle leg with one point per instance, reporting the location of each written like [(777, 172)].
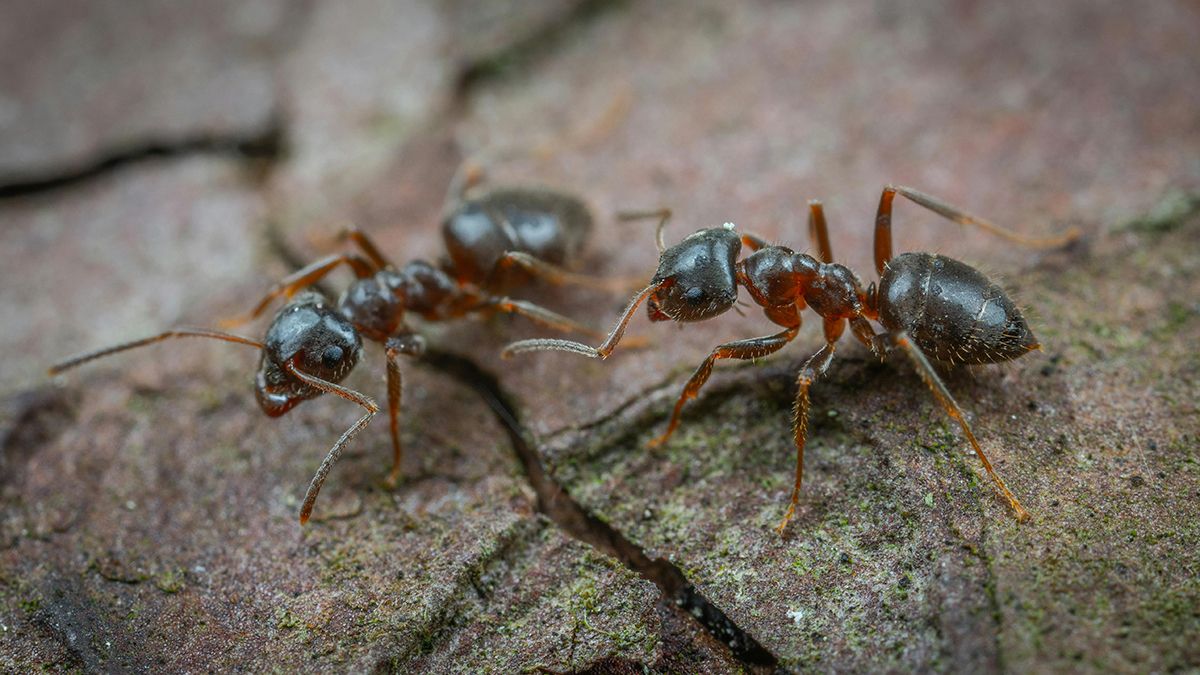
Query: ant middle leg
[(409, 344), (751, 348), (814, 367), (883, 223), (818, 231), (942, 394), (303, 278)]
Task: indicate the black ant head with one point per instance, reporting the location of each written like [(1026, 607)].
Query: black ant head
[(695, 277), (309, 336)]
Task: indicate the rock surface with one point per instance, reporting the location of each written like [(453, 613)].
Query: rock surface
[(148, 509)]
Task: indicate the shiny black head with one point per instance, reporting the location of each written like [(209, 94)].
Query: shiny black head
[(313, 338), (696, 276)]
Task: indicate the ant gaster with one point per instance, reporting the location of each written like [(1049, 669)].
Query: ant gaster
[(933, 307), (495, 239)]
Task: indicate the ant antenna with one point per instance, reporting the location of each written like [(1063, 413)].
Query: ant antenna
[(331, 458), (663, 215), (80, 359)]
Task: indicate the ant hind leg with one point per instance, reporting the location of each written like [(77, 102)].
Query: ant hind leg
[(557, 275), (942, 394), (883, 223)]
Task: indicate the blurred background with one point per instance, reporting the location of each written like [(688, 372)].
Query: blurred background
[(160, 162)]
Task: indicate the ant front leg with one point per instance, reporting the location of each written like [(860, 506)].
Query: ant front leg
[(814, 367), (752, 348), (409, 344), (942, 394), (303, 278)]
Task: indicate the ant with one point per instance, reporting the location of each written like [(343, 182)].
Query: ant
[(933, 307), (495, 239)]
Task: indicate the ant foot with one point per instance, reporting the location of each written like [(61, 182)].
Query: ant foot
[(786, 519), (659, 441)]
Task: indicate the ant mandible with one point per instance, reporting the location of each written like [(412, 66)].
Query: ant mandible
[(934, 307), (495, 238)]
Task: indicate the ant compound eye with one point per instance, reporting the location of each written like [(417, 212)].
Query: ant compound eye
[(332, 356), (694, 296)]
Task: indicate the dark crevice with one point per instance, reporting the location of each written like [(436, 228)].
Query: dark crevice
[(262, 147), (554, 501), (522, 53)]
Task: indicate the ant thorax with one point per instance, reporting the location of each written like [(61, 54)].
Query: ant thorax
[(376, 305), (777, 276)]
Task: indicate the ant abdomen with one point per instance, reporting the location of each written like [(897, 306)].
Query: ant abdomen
[(550, 226), (952, 311)]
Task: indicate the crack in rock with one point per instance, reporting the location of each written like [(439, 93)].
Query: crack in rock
[(554, 501), (266, 145)]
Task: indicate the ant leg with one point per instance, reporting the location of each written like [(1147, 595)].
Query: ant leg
[(412, 345), (814, 367), (303, 278), (883, 223), (335, 452), (663, 215), (927, 373), (751, 348), (819, 231), (601, 352), (753, 241), (364, 242), (555, 274), (539, 315), (80, 359)]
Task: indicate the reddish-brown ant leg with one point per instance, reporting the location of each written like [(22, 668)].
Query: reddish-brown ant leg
[(883, 223), (364, 242), (814, 367), (539, 315), (557, 275), (942, 394), (304, 278), (601, 352), (752, 348), (819, 231), (753, 241), (412, 345), (335, 452)]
